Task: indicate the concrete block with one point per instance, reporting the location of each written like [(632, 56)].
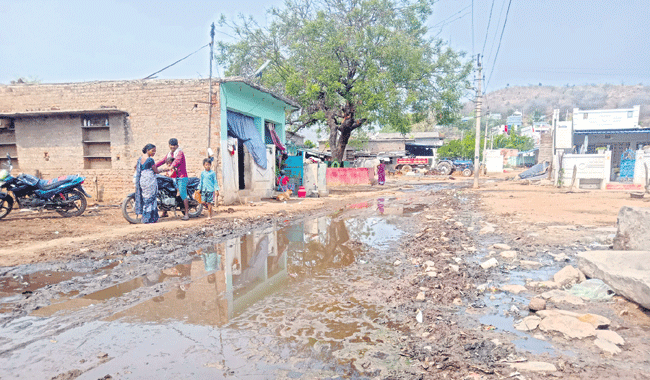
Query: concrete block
[(633, 233), (627, 272)]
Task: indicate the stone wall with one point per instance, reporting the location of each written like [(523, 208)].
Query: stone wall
[(156, 111)]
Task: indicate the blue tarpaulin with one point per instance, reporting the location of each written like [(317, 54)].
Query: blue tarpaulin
[(243, 128)]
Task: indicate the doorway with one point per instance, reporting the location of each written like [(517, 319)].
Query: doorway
[(241, 168)]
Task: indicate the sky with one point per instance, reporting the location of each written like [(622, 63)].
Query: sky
[(553, 42)]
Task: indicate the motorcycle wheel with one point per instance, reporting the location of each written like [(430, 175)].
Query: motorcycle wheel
[(79, 202), (195, 210), (5, 206), (128, 210), (467, 172)]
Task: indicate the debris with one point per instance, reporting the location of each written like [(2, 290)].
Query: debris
[(397, 262), (534, 367), (420, 296), (418, 316), (454, 267), (490, 263), (530, 264), (501, 247)]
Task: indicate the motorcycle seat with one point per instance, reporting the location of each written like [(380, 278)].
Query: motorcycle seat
[(46, 185)]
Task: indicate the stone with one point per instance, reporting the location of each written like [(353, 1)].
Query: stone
[(501, 246), (397, 262), (454, 267), (529, 323), (420, 296), (508, 255), (560, 296), (487, 230), (537, 304), (491, 263), (567, 275), (569, 327), (633, 232), (607, 347), (511, 288), (555, 312), (610, 336), (534, 367), (598, 321), (432, 274), (429, 264), (627, 272), (530, 264)]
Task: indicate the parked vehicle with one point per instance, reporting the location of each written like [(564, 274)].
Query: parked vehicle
[(64, 195), (168, 200), (447, 166)]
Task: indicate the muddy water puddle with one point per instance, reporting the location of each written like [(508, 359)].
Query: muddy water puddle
[(272, 303)]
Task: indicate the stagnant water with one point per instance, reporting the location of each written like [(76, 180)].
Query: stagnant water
[(268, 304)]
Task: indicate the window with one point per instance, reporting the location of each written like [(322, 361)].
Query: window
[(96, 135), (585, 115), (8, 141), (630, 114)]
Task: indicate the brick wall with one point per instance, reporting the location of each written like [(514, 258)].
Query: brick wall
[(157, 110)]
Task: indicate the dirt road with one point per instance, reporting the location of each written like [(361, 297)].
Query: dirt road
[(364, 284)]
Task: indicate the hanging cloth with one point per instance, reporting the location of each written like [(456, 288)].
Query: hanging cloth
[(243, 128), (276, 139)]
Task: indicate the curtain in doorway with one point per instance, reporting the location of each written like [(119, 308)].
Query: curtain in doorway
[(243, 128)]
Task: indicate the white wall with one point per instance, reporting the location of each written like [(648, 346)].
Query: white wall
[(493, 161), (625, 118), (588, 166)]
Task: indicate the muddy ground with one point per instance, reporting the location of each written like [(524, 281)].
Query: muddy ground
[(367, 283)]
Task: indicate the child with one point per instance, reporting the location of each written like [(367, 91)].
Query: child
[(208, 186)]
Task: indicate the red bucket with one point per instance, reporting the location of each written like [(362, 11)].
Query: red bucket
[(302, 192)]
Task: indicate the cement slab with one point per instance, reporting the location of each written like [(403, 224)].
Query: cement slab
[(627, 272)]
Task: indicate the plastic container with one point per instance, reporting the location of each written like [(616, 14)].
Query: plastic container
[(302, 192)]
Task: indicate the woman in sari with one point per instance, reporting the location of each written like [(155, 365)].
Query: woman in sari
[(381, 173), (146, 186)]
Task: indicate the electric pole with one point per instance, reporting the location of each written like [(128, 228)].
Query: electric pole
[(477, 140), (210, 85), (487, 119)]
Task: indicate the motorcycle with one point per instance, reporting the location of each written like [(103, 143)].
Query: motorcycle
[(168, 200), (65, 194)]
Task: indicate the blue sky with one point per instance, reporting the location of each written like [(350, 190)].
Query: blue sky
[(552, 42)]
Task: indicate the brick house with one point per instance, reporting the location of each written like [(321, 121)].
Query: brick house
[(97, 129)]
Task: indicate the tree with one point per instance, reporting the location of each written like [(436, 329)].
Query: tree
[(513, 141), (351, 64), (310, 144), (458, 148)]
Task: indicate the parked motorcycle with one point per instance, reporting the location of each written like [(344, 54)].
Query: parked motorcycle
[(168, 200), (64, 195)]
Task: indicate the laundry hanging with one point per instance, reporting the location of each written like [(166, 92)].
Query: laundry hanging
[(276, 139), (243, 128)]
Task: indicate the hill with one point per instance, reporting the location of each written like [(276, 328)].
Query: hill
[(543, 99)]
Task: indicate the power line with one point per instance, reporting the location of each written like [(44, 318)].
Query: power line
[(187, 56), (448, 18), (499, 47), (496, 32), (487, 31)]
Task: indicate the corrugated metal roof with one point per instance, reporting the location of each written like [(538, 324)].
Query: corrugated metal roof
[(611, 131)]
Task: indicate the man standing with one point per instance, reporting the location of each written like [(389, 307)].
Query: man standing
[(179, 171)]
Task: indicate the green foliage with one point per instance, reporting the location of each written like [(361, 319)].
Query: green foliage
[(352, 63), (458, 148), (310, 144), (513, 141)]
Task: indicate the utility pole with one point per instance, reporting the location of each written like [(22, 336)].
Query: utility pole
[(487, 119), (210, 85), (477, 145)]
